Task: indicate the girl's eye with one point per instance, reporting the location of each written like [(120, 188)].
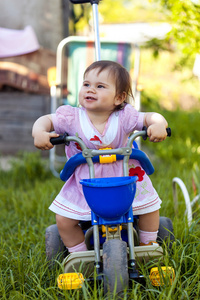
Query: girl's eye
[(100, 86), (86, 84)]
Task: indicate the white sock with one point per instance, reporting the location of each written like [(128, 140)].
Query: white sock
[(146, 237), (80, 247)]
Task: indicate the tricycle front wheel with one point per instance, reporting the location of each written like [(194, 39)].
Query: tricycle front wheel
[(115, 266)]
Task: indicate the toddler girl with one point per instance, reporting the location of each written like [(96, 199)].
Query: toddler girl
[(105, 119)]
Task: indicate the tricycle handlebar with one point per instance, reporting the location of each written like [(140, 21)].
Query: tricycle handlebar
[(169, 132), (65, 138), (87, 155), (60, 140)]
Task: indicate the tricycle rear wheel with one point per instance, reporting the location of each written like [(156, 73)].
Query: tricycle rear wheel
[(115, 266), (165, 232), (55, 249)]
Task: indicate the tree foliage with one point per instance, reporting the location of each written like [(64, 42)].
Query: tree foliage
[(184, 15), (129, 11), (116, 11)]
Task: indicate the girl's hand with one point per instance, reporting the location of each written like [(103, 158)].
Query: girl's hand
[(42, 140), (42, 132), (156, 133), (156, 127)]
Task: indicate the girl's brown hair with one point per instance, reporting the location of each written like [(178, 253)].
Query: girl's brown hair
[(120, 74)]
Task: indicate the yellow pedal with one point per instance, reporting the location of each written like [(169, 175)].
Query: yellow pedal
[(157, 277), (70, 281)]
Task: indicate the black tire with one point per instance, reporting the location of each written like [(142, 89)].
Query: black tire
[(165, 231), (55, 249), (115, 266)]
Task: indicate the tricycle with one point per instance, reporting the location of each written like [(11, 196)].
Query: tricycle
[(112, 237)]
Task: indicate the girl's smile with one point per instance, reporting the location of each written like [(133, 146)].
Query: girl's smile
[(90, 98)]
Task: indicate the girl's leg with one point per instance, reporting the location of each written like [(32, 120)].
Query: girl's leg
[(70, 232), (148, 227), (150, 221)]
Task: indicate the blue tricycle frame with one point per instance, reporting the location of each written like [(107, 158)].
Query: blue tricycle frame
[(112, 254)]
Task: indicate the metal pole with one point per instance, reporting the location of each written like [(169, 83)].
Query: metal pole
[(96, 243), (96, 31), (131, 241), (136, 76), (52, 152)]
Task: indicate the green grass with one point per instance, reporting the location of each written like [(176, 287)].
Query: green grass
[(28, 189)]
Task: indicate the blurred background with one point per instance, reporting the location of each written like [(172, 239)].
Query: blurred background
[(167, 33)]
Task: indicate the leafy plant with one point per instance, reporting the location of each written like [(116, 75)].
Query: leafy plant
[(26, 168), (184, 17)]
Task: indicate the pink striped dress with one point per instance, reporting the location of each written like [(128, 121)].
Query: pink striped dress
[(70, 202)]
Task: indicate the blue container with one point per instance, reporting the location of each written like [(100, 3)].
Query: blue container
[(111, 197)]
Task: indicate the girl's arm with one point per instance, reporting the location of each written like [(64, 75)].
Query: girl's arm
[(41, 132), (156, 126)]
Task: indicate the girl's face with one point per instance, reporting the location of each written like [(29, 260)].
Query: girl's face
[(98, 92)]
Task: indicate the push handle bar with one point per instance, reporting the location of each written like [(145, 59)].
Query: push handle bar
[(85, 1), (169, 132)]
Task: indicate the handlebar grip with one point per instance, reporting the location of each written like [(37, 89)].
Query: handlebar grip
[(60, 140), (168, 129), (169, 132)]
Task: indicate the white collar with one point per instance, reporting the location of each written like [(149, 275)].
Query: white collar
[(92, 134)]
